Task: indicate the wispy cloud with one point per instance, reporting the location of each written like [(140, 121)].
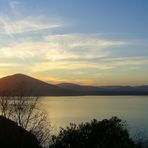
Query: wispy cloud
[(60, 51), (59, 47), (83, 40), (12, 26), (67, 51), (80, 65)]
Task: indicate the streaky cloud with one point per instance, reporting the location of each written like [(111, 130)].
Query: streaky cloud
[(11, 26)]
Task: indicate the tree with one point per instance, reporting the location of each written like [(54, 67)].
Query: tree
[(25, 111), (110, 133)]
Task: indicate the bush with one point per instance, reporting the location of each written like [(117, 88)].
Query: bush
[(110, 133)]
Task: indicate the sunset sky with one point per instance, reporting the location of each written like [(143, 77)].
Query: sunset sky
[(95, 42)]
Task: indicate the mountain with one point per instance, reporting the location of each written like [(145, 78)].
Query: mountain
[(77, 87), (31, 86), (106, 90)]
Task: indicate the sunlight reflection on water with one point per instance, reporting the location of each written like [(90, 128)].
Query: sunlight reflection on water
[(63, 110)]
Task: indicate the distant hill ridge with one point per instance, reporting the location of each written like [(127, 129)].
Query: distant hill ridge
[(96, 88), (33, 86)]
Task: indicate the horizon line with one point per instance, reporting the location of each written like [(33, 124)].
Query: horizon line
[(121, 85)]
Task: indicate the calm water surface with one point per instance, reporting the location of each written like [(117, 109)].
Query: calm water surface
[(133, 109)]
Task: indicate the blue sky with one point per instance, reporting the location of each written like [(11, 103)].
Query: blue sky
[(97, 42)]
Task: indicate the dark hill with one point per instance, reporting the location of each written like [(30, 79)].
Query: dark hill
[(31, 86), (13, 136)]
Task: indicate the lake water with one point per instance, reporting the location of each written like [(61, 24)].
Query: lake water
[(133, 109)]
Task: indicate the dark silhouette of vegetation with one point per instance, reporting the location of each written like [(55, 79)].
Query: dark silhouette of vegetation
[(26, 112), (14, 136), (112, 133)]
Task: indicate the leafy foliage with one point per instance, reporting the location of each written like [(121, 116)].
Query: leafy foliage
[(110, 133)]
